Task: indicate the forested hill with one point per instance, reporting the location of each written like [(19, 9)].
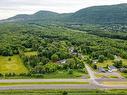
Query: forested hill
[(102, 14), (40, 16), (91, 15)]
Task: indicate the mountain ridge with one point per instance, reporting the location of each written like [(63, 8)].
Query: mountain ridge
[(91, 15)]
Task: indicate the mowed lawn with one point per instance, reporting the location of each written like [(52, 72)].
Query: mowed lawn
[(65, 74), (124, 61), (110, 62), (105, 63), (31, 53), (12, 64)]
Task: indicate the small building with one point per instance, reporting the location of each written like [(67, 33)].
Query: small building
[(71, 49), (62, 61), (101, 69), (74, 53), (112, 69), (94, 61)]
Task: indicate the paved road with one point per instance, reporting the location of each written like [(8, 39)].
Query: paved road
[(92, 76), (52, 86), (94, 83), (43, 80)]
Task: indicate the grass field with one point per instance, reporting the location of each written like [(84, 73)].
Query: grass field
[(30, 53), (105, 63), (38, 83), (110, 62), (64, 74), (102, 75), (115, 83), (64, 92), (124, 61), (124, 75), (12, 64)]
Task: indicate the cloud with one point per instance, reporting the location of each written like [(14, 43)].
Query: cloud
[(12, 7)]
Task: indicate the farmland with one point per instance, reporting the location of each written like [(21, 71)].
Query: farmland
[(12, 64)]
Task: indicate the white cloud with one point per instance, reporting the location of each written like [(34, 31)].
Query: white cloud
[(10, 8)]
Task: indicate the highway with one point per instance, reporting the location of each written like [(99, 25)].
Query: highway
[(94, 83)]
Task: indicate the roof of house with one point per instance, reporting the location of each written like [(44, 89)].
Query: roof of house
[(95, 61), (74, 53), (101, 69), (62, 61), (112, 67)]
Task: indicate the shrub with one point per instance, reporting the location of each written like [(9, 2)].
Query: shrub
[(118, 64), (70, 71), (37, 75), (64, 93)]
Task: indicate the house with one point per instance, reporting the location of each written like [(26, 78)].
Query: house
[(71, 49), (112, 69), (101, 69), (62, 61), (94, 61), (74, 53)]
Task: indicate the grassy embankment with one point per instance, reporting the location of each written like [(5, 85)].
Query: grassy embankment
[(38, 83), (64, 92)]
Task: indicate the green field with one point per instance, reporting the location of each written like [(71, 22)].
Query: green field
[(12, 64), (124, 61), (64, 74), (123, 83), (110, 62), (30, 53), (38, 83), (64, 92), (105, 63)]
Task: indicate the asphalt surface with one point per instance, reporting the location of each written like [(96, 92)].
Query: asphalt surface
[(43, 80), (97, 82)]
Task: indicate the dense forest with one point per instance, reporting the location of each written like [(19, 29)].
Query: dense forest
[(56, 43)]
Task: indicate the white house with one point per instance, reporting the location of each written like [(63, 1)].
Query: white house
[(94, 61), (71, 49), (112, 69), (62, 61)]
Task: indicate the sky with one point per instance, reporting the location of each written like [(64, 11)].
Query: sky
[(9, 8)]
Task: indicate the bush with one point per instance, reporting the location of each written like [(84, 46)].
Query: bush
[(101, 58), (10, 74), (125, 71), (37, 75), (82, 70), (1, 75), (118, 64), (70, 71), (54, 57), (64, 93), (95, 66), (9, 59)]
